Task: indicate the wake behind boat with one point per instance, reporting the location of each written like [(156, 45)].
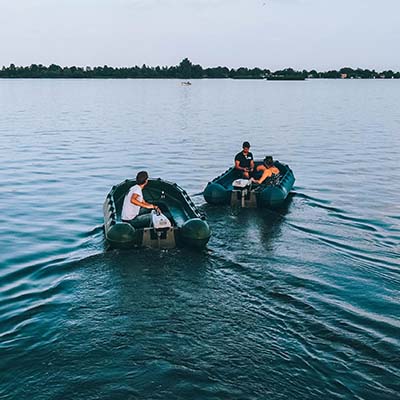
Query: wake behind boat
[(179, 222), (230, 188)]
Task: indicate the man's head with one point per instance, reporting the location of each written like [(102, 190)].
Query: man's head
[(141, 177), (246, 147), (268, 161)]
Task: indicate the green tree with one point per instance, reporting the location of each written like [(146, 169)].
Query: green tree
[(185, 69)]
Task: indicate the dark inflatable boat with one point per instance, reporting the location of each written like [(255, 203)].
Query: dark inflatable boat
[(186, 225), (229, 188)]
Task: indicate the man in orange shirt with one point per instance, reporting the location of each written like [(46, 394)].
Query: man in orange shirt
[(268, 169)]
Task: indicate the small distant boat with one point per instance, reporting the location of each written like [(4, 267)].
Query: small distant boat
[(229, 188), (186, 226), (187, 83)]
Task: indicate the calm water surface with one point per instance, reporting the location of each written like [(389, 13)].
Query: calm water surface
[(297, 303)]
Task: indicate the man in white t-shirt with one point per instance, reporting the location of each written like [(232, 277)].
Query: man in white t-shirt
[(133, 201)]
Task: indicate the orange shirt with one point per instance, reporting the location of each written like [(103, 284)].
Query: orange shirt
[(267, 172), (271, 170)]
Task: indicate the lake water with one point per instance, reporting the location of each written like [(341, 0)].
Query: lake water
[(297, 303)]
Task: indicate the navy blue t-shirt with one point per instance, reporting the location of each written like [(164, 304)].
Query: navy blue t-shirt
[(244, 161)]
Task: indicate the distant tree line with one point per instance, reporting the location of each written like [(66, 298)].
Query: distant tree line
[(185, 70)]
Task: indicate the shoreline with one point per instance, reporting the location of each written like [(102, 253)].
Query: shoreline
[(184, 71)]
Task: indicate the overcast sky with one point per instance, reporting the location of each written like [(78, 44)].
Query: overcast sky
[(320, 34)]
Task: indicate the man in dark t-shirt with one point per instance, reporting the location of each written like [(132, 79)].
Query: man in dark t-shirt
[(244, 161)]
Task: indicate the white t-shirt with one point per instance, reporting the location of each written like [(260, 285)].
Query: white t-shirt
[(130, 210)]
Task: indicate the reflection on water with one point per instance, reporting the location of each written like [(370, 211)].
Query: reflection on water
[(298, 302)]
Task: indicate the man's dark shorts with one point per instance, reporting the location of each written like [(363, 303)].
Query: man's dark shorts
[(143, 220)]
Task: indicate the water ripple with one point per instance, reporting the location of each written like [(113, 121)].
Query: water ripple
[(299, 302)]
